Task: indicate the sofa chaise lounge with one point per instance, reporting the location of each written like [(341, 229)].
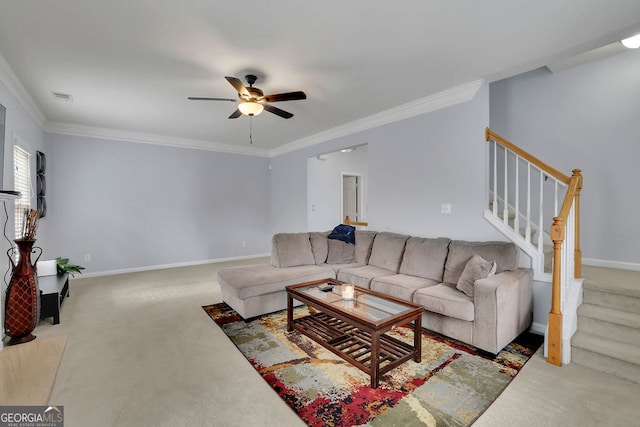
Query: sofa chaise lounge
[(471, 291)]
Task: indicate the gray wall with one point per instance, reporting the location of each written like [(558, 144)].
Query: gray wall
[(586, 117), (20, 123), (133, 206), (414, 165), (324, 186)]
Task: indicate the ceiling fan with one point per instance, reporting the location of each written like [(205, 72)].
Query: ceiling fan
[(253, 100)]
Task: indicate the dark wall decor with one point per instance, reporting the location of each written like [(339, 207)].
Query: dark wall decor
[(41, 166)]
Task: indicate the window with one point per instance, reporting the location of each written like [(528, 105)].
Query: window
[(22, 183)]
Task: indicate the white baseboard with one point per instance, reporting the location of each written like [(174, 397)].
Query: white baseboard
[(538, 328), (174, 265), (611, 264)]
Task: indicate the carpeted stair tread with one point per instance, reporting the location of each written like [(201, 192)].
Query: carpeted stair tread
[(623, 351), (611, 300), (608, 336), (613, 331), (599, 362), (621, 282), (611, 315)]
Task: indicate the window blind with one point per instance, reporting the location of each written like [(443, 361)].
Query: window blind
[(22, 183)]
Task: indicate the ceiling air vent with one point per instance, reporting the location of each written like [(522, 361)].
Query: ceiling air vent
[(62, 96)]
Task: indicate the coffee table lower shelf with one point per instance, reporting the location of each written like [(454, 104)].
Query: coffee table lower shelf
[(355, 345)]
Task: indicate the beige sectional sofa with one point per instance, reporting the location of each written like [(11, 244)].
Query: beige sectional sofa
[(471, 291)]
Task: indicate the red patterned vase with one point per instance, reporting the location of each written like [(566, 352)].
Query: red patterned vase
[(22, 304)]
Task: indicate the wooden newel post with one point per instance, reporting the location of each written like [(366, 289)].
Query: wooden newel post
[(554, 349), (577, 255)]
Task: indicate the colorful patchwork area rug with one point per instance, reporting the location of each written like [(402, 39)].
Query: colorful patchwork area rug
[(452, 386)]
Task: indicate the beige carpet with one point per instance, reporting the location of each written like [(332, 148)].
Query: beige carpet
[(142, 352), (28, 371)]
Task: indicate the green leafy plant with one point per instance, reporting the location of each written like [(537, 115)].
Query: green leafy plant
[(63, 266)]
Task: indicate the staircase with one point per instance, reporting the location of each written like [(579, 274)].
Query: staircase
[(608, 335), (538, 208), (595, 312)]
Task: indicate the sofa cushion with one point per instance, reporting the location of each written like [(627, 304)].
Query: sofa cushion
[(504, 254), (401, 285), (364, 243), (291, 249), (476, 268), (361, 276), (387, 251), (254, 280), (338, 267), (445, 299), (424, 257), (319, 246), (340, 252)]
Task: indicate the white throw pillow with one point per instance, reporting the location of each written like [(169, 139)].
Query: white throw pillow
[(476, 268)]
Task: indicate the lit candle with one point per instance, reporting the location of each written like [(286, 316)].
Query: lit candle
[(347, 291)]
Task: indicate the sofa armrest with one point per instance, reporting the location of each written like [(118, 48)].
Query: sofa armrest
[(503, 308)]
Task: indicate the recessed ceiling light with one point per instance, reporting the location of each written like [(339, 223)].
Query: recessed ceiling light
[(632, 42), (62, 96)]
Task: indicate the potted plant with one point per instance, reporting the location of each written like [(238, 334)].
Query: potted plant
[(63, 266)]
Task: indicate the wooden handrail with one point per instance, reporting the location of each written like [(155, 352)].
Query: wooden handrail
[(573, 194), (577, 255), (557, 234), (490, 135), (347, 221)]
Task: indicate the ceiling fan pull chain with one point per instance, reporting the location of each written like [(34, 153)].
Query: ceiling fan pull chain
[(250, 130)]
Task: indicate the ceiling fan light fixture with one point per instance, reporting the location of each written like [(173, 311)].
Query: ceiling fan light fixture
[(632, 42), (250, 108)]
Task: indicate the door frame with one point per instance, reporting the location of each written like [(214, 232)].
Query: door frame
[(360, 193)]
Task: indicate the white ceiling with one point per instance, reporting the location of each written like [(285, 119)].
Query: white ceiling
[(131, 64)]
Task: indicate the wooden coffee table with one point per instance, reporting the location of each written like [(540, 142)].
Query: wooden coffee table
[(355, 329)]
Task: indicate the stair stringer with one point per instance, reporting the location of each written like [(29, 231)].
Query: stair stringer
[(572, 294), (537, 257)]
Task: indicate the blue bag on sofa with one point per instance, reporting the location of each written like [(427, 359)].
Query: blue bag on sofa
[(345, 233)]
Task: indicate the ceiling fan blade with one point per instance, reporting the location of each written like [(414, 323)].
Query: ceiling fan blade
[(289, 96), (237, 84), (277, 111), (235, 114), (195, 98)]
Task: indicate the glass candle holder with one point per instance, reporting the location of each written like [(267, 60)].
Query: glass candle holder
[(348, 292)]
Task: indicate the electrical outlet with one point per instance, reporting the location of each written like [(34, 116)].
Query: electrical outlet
[(244, 244), (445, 209), (87, 257)]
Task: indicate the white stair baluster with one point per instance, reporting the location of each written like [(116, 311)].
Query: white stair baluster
[(541, 216), (528, 237), (505, 210), (495, 179), (516, 220)]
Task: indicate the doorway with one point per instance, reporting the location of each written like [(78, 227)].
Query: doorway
[(351, 196), (327, 200)]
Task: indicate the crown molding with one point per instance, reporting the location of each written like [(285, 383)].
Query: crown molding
[(446, 98), (9, 78), (437, 101), (147, 138)]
